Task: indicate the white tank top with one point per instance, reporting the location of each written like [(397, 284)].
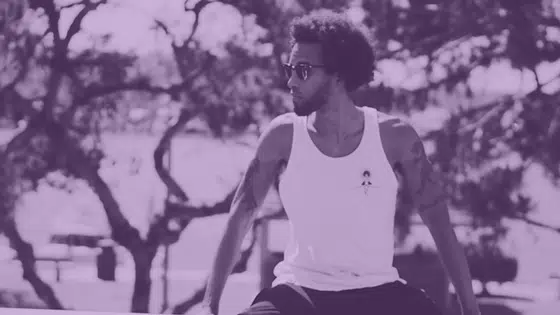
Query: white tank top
[(341, 214)]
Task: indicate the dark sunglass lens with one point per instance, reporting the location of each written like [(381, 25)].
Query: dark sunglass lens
[(288, 71), (302, 71)]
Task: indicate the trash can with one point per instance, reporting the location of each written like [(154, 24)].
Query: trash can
[(107, 263)]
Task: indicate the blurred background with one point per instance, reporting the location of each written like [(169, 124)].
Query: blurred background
[(126, 124)]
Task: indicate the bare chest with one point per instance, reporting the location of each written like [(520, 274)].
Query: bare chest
[(339, 145)]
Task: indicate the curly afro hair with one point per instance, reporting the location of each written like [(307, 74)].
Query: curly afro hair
[(347, 48)]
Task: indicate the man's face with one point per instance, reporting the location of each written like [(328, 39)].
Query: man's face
[(309, 94)]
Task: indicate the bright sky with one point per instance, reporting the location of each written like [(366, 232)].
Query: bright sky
[(131, 22)]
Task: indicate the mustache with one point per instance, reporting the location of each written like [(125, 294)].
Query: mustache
[(295, 94)]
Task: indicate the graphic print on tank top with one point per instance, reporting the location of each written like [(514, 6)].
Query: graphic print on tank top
[(366, 181)]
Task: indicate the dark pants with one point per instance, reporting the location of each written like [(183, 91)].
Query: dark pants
[(393, 298)]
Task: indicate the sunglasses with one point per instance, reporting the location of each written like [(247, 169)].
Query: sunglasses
[(303, 70)]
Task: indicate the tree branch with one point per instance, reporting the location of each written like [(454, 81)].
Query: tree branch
[(143, 85), (205, 66), (196, 10), (19, 141), (163, 147), (53, 18), (76, 24), (121, 230), (165, 29), (187, 212), (80, 165), (495, 110), (495, 107), (9, 93), (71, 5), (27, 258), (24, 61), (537, 223)]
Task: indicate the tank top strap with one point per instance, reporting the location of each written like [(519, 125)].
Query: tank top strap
[(298, 146), (371, 129)]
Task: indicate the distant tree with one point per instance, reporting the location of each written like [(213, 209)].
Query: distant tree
[(64, 97), (488, 262), (452, 39), (75, 93)]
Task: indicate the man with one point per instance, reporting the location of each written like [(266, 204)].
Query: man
[(338, 187)]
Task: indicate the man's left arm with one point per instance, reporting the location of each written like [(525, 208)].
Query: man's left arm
[(426, 188)]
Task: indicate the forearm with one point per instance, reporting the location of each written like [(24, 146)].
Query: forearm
[(426, 188), (453, 257), (224, 261), (455, 263), (249, 196)]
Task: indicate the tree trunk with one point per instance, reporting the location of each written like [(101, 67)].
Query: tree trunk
[(122, 231), (143, 259), (27, 258)]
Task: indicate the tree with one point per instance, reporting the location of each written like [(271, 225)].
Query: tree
[(77, 88), (11, 11), (480, 134), (469, 149), (477, 138)]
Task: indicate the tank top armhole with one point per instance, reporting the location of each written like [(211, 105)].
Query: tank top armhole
[(296, 122), (378, 138)]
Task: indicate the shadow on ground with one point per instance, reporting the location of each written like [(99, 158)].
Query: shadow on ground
[(490, 306), (20, 299), (498, 309), (512, 298)]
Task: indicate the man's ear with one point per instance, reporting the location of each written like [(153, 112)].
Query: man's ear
[(337, 80)]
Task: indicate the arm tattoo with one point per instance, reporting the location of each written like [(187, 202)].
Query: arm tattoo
[(247, 197), (421, 166), (427, 188)]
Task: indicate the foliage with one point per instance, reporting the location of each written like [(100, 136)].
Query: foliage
[(488, 262), (478, 141), (64, 99)]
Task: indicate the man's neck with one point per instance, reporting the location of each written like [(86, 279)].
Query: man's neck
[(339, 117)]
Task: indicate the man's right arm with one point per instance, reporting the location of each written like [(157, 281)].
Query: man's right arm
[(250, 194)]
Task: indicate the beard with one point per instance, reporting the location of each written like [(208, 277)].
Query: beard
[(305, 107)]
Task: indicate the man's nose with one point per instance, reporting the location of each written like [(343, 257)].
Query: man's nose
[(293, 81)]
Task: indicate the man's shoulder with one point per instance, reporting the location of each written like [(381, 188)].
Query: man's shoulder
[(396, 134), (281, 127), (283, 121), (277, 136), (396, 128)]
